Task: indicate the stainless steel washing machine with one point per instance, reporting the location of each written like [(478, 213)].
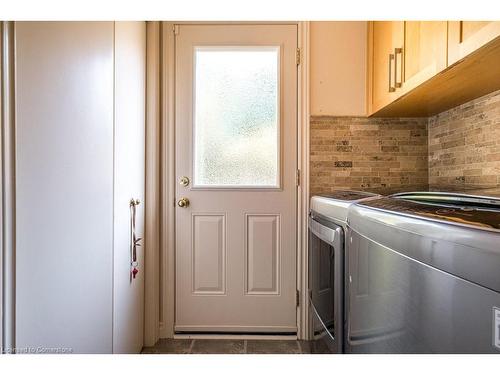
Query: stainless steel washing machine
[(327, 224), (424, 274)]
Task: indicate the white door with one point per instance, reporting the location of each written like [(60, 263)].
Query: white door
[(236, 142)]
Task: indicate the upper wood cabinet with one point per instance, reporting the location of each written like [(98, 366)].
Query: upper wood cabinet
[(418, 68), (465, 37), (386, 36), (405, 54), (424, 51)]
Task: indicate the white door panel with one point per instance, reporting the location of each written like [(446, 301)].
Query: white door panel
[(236, 140), (209, 254), (262, 254)]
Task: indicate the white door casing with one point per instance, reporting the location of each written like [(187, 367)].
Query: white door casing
[(2, 178), (236, 241)]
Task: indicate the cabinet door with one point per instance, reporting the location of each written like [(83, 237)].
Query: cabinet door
[(424, 52), (64, 186), (130, 72), (465, 37), (387, 35)]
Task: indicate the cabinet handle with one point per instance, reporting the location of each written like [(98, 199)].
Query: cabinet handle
[(396, 83), (134, 240), (391, 59)]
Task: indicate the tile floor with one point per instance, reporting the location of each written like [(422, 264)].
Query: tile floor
[(212, 346)]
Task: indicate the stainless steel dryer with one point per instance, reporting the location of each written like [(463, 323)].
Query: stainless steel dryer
[(424, 274), (327, 224)]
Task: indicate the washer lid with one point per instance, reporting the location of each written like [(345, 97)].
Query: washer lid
[(476, 198), (475, 211)]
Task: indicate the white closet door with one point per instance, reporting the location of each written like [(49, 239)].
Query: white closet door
[(130, 73), (64, 103)]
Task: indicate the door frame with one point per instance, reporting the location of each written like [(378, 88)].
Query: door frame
[(160, 178), (7, 187)]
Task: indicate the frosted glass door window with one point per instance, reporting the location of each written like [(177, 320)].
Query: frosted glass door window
[(236, 117)]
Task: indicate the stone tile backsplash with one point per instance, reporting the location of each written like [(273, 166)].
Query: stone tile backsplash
[(363, 153), (458, 149), (464, 145)]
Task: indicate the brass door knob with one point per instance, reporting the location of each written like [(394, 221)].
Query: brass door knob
[(183, 202)]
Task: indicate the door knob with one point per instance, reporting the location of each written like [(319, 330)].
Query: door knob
[(183, 202)]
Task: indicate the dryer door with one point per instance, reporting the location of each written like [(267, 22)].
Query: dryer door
[(326, 282)]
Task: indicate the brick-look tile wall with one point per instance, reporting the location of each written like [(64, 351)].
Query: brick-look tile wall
[(464, 145), (368, 154)]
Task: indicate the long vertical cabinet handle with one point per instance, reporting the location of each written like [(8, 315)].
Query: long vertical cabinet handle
[(398, 51), (134, 240), (391, 87)]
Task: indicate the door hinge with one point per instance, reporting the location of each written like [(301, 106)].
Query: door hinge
[(176, 29), (297, 298), (297, 56), (297, 177)]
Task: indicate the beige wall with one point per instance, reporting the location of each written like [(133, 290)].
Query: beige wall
[(338, 68)]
